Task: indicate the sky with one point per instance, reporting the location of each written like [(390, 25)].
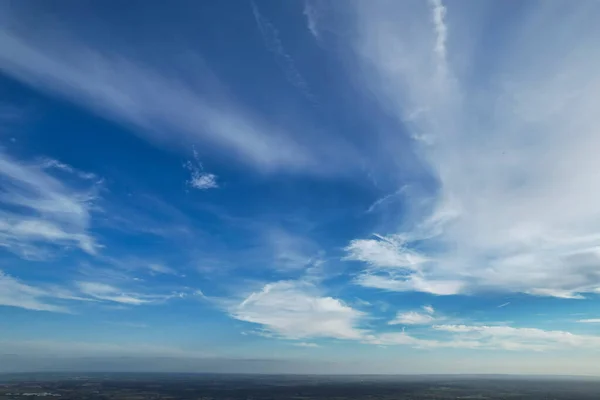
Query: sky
[(302, 187)]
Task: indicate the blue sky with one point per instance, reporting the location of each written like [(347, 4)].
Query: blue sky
[(352, 187)]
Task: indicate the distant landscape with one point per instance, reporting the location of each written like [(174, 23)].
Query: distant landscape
[(299, 387)]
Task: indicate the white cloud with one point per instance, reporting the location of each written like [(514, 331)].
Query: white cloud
[(403, 338), (50, 163), (110, 293), (124, 269), (590, 321), (441, 31), (489, 338), (37, 209), (306, 344), (295, 310), (161, 269), (15, 293), (416, 318), (510, 338), (407, 283), (203, 181), (385, 252), (362, 303), (385, 200), (560, 293), (510, 146), (412, 318), (311, 12), (199, 178)]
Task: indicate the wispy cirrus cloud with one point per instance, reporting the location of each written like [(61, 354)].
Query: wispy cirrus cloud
[(511, 338), (441, 31), (64, 296), (311, 12), (425, 317), (306, 344), (50, 163), (385, 200), (399, 282), (500, 144), (385, 252), (412, 318), (14, 293), (589, 321), (110, 293), (171, 104), (273, 43), (41, 212), (157, 268), (482, 337)]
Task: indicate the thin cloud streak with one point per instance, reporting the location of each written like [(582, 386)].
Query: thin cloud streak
[(40, 212), (311, 13), (412, 318), (14, 293), (65, 296), (306, 344), (106, 292), (441, 31), (273, 43)]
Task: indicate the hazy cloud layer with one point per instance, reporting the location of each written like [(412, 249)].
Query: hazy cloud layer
[(511, 148)]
